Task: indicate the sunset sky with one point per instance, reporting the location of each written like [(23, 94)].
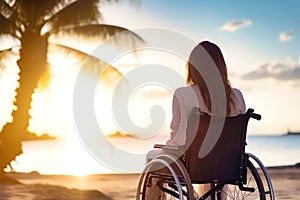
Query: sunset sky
[(260, 42)]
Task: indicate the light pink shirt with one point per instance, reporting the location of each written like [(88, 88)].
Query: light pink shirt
[(184, 99)]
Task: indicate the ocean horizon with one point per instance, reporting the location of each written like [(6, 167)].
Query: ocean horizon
[(71, 158)]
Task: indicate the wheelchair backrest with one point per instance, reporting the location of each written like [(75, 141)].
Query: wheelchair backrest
[(216, 147)]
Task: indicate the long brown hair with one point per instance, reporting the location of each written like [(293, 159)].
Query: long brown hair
[(195, 65)]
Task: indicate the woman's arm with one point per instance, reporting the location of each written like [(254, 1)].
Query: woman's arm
[(179, 120)]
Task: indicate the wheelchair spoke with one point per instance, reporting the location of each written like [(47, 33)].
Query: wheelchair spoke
[(163, 183), (252, 190)]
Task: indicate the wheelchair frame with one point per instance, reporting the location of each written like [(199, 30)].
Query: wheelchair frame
[(170, 175)]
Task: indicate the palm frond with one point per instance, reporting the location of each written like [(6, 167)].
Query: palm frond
[(68, 52), (42, 8), (92, 65), (59, 5), (98, 30), (13, 15), (77, 13), (6, 55), (6, 52), (32, 12), (5, 9), (96, 34), (8, 41), (6, 26)]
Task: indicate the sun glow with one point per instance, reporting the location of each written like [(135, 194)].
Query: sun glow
[(52, 109), (52, 113), (78, 161)]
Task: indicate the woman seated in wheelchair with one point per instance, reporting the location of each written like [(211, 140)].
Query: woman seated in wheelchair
[(209, 89)]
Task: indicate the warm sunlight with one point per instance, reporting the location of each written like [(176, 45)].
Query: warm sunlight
[(78, 161)]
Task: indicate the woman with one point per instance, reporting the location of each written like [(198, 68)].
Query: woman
[(209, 89)]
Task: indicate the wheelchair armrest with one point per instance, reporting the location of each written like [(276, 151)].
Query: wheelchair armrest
[(167, 147), (159, 146)]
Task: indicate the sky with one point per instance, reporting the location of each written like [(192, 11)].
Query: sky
[(259, 40)]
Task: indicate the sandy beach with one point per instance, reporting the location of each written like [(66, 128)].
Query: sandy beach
[(33, 186)]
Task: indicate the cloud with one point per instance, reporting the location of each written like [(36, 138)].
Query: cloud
[(279, 70), (286, 36), (236, 24)]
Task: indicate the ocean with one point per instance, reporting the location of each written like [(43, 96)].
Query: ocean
[(275, 150), (70, 157)]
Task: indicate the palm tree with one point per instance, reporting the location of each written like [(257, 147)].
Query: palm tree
[(29, 25)]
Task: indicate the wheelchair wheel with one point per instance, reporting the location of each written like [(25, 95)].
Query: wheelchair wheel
[(253, 189), (265, 177), (163, 180)]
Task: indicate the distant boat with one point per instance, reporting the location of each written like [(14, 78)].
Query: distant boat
[(292, 133)]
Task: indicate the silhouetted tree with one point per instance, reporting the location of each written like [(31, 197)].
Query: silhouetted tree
[(29, 24)]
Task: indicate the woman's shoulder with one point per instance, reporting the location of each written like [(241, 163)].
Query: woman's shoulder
[(240, 106), (185, 90), (237, 92)]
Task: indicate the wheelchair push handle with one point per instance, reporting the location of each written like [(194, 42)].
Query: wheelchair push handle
[(253, 115)]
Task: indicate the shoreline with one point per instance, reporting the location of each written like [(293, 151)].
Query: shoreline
[(297, 165), (285, 179)]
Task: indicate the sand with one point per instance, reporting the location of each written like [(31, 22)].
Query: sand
[(286, 183), (33, 186)]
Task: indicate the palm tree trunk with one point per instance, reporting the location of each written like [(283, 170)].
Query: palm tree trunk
[(32, 64)]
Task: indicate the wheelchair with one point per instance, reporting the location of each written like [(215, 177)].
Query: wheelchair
[(214, 154)]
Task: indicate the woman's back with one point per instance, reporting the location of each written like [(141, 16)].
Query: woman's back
[(185, 98)]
